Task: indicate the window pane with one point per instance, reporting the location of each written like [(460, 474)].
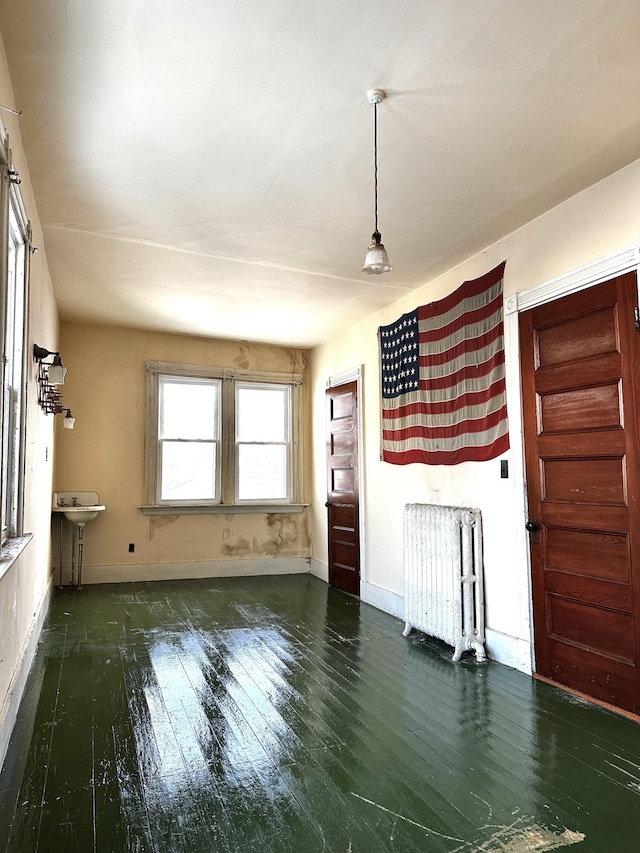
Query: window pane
[(189, 410), (12, 391), (188, 471), (262, 414), (262, 472)]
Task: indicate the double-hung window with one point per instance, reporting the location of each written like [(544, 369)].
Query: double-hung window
[(263, 441), (220, 438), (14, 254), (188, 439)]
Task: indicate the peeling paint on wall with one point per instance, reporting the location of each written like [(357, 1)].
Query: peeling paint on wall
[(285, 535), (242, 360), (239, 548), (298, 360), (232, 546), (307, 530), (158, 521)]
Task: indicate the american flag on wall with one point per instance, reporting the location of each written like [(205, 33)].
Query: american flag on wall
[(443, 378)]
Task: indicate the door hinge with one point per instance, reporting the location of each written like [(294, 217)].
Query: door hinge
[(636, 312)]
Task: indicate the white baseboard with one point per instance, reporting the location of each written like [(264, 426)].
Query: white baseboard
[(11, 705), (383, 599), (376, 596), (319, 569), (185, 571), (511, 651)]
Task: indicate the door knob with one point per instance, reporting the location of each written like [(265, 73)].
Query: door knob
[(327, 504), (533, 526)]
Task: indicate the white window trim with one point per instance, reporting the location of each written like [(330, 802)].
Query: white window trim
[(10, 197), (228, 505)]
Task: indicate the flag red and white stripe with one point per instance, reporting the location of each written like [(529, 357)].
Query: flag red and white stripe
[(443, 378)]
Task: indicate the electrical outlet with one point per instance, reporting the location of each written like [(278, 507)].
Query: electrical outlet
[(132, 547)]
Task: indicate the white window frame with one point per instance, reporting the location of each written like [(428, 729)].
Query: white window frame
[(14, 313), (239, 385), (168, 379), (228, 502)]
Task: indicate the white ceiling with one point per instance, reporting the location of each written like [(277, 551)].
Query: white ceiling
[(206, 166)]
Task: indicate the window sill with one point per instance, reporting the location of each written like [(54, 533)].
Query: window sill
[(11, 550), (221, 509)]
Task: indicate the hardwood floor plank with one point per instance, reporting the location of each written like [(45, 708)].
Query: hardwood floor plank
[(276, 714)]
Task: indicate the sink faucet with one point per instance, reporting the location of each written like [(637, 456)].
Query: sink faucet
[(74, 502), (62, 502)]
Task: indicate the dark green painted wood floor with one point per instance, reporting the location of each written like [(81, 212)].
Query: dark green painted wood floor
[(275, 714)]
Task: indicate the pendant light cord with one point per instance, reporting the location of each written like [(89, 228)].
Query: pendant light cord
[(375, 159), (376, 260)]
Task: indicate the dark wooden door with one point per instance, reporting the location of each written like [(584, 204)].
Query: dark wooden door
[(580, 377), (342, 487)]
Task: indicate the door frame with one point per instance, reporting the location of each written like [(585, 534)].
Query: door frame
[(595, 272), (356, 374)]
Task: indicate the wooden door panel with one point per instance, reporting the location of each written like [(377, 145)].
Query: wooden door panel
[(585, 302), (341, 406), (343, 488), (592, 408), (605, 519), (600, 676), (573, 622), (582, 444), (342, 480), (578, 338), (589, 481), (342, 443), (599, 591), (345, 517), (593, 372), (581, 400), (343, 554), (588, 552)]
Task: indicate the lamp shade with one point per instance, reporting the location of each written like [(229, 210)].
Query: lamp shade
[(377, 260), (57, 371), (68, 421)]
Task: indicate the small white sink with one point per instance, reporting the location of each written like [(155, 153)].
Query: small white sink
[(78, 507), (79, 514)]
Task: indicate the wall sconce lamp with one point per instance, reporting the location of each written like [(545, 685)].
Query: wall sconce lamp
[(50, 376), (68, 421)]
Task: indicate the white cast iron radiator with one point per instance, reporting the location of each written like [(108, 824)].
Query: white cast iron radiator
[(444, 594)]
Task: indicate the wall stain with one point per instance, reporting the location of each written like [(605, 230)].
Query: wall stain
[(234, 547), (158, 521), (307, 531), (242, 360), (239, 548), (285, 536), (298, 360)]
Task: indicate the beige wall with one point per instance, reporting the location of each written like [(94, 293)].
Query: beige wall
[(105, 388), (24, 589), (595, 223)]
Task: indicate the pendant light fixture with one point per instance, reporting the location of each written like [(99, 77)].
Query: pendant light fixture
[(376, 261)]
